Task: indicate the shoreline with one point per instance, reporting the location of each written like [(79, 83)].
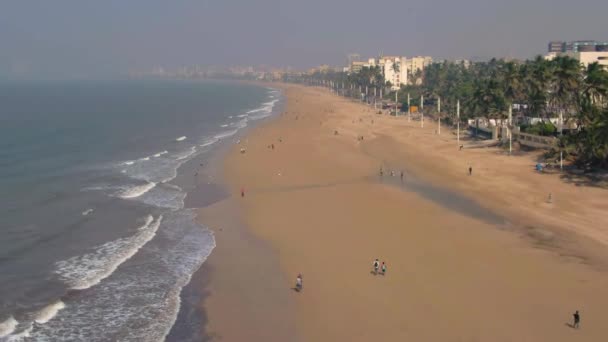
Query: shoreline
[(210, 192), (316, 201)]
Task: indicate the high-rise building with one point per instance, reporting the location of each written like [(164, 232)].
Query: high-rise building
[(577, 46), (556, 46), (418, 63), (586, 51), (395, 70)]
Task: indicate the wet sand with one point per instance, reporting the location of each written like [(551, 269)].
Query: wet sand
[(470, 258)]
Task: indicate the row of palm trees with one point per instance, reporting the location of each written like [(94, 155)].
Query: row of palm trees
[(535, 88)]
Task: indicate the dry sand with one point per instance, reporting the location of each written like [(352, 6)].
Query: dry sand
[(316, 205)]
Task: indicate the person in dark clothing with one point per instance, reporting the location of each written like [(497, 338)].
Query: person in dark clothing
[(470, 170), (577, 320)]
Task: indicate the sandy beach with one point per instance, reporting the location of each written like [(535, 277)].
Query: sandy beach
[(470, 258)]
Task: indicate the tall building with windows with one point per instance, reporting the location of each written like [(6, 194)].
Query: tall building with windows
[(418, 63), (395, 70), (577, 46), (586, 51), (556, 46)]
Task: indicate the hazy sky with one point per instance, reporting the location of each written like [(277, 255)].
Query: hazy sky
[(80, 38)]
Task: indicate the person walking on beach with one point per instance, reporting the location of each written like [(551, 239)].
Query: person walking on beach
[(381, 172), (242, 192), (299, 284), (577, 320), (470, 170), (402, 176), (383, 268), (376, 266)]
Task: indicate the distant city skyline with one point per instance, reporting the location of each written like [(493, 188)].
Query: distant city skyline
[(75, 39)]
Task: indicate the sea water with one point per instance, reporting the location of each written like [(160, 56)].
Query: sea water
[(96, 243)]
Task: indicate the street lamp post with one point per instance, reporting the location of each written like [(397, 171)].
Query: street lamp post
[(422, 111), (458, 122), (439, 115)]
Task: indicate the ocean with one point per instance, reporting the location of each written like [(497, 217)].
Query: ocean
[(96, 242)]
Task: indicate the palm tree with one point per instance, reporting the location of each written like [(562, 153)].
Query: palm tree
[(565, 84), (595, 83), (395, 67)]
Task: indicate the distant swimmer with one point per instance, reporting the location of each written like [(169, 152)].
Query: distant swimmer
[(577, 320), (376, 266)]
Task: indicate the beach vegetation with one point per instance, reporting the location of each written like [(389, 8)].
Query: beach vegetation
[(537, 88)]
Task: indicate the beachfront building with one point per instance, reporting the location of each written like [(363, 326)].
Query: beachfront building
[(356, 66), (577, 46), (395, 70), (585, 57), (419, 63)]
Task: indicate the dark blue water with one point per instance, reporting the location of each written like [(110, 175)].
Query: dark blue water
[(96, 243)]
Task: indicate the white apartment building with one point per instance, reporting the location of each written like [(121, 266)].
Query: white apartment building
[(418, 63), (395, 70)]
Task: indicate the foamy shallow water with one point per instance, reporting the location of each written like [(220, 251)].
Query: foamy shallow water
[(128, 250)]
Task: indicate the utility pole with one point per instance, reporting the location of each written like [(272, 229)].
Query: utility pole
[(509, 125), (438, 104), (409, 111), (439, 115), (422, 111), (561, 133), (458, 122), (396, 99), (375, 100)]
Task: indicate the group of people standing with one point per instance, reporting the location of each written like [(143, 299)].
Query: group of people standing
[(379, 268)]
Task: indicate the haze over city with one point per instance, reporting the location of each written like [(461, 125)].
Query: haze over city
[(75, 39)]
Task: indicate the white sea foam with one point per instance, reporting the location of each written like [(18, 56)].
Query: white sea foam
[(21, 335), (224, 125), (181, 138), (226, 134), (184, 155), (240, 124), (160, 154), (48, 312), (8, 326), (145, 158), (209, 142), (262, 112), (136, 191), (130, 162), (82, 272), (87, 212), (113, 308), (165, 196)]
